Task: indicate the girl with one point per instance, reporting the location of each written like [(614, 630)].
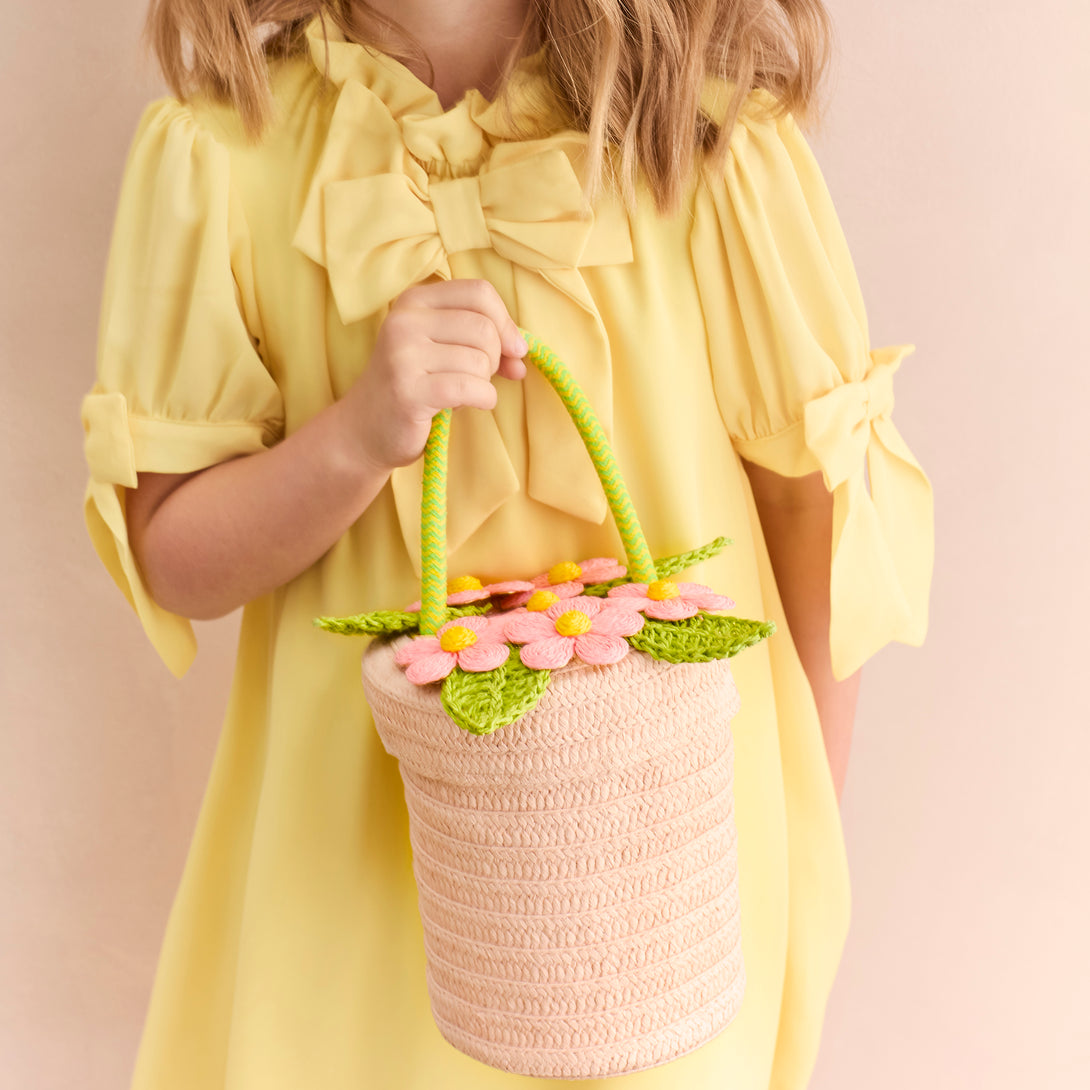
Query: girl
[(329, 236)]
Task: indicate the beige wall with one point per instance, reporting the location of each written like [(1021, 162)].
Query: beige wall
[(957, 152)]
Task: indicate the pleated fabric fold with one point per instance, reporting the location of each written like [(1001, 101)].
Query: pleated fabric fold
[(799, 387)]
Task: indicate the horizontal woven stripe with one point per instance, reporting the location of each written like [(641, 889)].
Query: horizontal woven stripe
[(584, 918)]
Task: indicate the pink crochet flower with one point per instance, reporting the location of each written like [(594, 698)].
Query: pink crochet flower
[(666, 601), (475, 644), (468, 588), (567, 580), (589, 628)]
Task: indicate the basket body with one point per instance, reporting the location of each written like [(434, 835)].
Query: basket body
[(577, 870)]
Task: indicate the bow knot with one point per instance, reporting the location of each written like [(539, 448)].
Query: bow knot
[(459, 215), (839, 425)]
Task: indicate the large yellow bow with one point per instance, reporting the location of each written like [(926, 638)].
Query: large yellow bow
[(385, 233), (882, 539), (380, 222)]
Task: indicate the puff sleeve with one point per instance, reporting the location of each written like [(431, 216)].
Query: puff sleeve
[(180, 382), (799, 387)]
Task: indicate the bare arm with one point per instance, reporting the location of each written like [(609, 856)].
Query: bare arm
[(797, 518), (210, 541)]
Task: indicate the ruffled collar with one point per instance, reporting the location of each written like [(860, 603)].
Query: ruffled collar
[(524, 108)]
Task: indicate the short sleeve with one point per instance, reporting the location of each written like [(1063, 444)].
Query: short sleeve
[(180, 382), (799, 387)]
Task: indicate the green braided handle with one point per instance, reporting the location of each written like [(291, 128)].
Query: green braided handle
[(433, 509)]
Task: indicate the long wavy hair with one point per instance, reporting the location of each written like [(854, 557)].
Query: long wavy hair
[(629, 73)]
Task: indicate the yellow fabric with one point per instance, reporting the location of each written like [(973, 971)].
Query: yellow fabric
[(246, 286), (174, 303)]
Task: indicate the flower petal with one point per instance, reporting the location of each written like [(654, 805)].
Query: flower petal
[(483, 656), (715, 601), (464, 597), (620, 620), (513, 601), (721, 601), (688, 590), (598, 650), (548, 654), (415, 649), (672, 609), (431, 668), (496, 632), (601, 569), (590, 606), (475, 623), (566, 590), (629, 590), (510, 586), (704, 597), (525, 627)]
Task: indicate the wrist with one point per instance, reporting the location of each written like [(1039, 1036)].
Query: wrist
[(347, 454)]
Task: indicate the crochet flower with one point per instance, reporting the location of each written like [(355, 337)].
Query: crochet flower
[(567, 580), (468, 588), (475, 644), (589, 628), (666, 601)]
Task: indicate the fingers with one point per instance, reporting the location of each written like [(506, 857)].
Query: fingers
[(467, 335), (477, 296), (512, 367), (458, 389)]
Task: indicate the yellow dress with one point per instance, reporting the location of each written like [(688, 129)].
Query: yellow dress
[(245, 287)]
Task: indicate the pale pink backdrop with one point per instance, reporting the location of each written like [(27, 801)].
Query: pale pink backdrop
[(957, 152)]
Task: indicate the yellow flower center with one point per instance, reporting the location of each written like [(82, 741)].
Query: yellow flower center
[(541, 599), (565, 573), (464, 582), (661, 590), (573, 623), (457, 638)]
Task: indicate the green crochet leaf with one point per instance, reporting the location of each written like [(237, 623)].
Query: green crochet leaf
[(671, 565), (600, 590), (482, 703), (391, 622), (699, 639), (474, 609), (383, 621)]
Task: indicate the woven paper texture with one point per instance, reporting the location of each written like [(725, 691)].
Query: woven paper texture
[(577, 870)]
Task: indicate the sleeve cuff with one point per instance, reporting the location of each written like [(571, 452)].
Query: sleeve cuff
[(883, 536), (116, 445)]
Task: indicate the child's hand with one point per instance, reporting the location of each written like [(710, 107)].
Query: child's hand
[(438, 349)]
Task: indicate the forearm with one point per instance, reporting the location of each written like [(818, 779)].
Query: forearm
[(796, 517), (212, 541)]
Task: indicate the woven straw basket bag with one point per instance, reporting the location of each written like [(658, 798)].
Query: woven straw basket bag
[(577, 870)]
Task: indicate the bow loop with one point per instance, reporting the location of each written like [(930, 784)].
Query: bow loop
[(533, 204), (381, 238), (838, 426)]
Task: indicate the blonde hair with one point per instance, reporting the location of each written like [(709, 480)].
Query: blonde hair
[(629, 73)]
